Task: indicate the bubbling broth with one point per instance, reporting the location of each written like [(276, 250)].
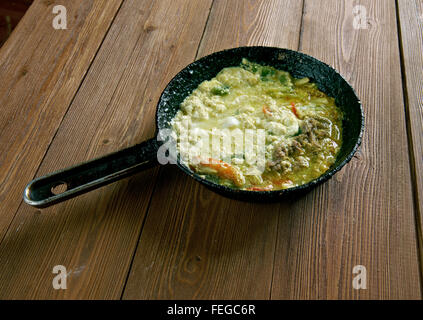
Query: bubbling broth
[(257, 128)]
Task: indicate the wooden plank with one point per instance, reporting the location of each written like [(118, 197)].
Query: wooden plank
[(196, 244), (41, 69), (94, 236), (363, 216), (411, 23)]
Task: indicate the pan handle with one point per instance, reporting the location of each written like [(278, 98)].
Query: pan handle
[(71, 182)]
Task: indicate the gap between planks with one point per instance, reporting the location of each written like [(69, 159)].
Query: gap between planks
[(411, 151)]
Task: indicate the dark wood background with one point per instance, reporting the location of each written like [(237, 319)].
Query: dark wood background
[(71, 95), (11, 12)]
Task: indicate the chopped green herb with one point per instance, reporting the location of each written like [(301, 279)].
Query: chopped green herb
[(283, 79), (265, 71), (298, 133), (220, 91)]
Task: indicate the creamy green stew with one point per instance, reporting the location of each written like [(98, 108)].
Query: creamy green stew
[(254, 112)]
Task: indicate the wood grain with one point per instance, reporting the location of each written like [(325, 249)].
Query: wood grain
[(41, 69), (94, 236), (68, 96), (411, 23), (363, 216), (196, 244)]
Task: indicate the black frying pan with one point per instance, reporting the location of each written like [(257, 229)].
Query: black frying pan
[(96, 173)]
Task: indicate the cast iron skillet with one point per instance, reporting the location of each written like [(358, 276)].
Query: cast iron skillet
[(96, 173)]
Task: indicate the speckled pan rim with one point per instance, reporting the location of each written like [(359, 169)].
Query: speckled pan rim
[(273, 194)]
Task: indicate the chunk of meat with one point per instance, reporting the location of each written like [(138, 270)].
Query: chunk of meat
[(288, 155)]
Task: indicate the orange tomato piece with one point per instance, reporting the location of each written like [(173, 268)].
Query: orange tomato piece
[(224, 170), (294, 109), (266, 110)]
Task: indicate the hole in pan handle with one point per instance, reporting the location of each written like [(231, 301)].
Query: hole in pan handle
[(71, 182)]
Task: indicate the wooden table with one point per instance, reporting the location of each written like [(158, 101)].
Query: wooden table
[(67, 96)]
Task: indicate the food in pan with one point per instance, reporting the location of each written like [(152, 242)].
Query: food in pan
[(257, 128)]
